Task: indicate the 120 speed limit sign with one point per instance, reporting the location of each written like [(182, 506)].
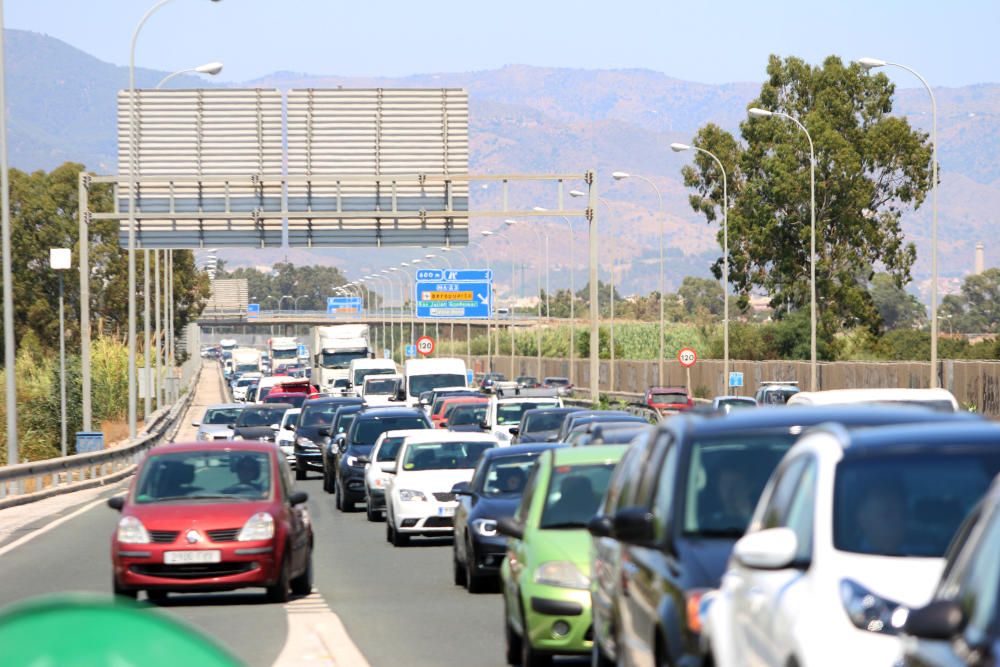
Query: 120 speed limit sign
[(687, 357), (425, 345)]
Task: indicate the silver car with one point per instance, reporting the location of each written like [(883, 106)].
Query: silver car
[(217, 422)]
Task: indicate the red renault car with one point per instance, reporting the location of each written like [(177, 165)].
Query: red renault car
[(212, 517), (669, 399)]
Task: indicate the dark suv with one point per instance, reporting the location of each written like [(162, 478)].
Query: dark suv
[(312, 426), (354, 447), (674, 526)]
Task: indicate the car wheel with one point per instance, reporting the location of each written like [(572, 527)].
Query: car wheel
[(327, 484), (370, 513), (529, 656), (130, 593), (338, 498), (457, 569), (598, 658), (303, 584), (388, 529), (156, 597), (475, 583), (399, 539), (278, 592), (512, 640), (300, 470)]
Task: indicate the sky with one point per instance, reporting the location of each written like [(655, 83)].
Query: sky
[(952, 43)]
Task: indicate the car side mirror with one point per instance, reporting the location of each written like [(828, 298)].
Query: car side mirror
[(484, 425), (941, 619), (633, 525), (195, 424), (387, 466), (461, 489), (297, 497), (275, 427), (515, 430), (552, 438), (511, 527), (600, 526), (364, 459), (325, 431), (116, 503), (424, 401), (291, 427), (230, 426), (770, 549)]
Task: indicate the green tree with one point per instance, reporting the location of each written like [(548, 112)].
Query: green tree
[(898, 308), (869, 166), (976, 309), (312, 283), (702, 297)]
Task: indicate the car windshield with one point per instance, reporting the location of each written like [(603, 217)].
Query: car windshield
[(253, 417), (367, 431), (506, 476), (340, 359), (317, 415), (244, 382), (668, 397), (246, 368), (557, 382), (389, 449), (382, 387), (464, 415), (725, 477), (908, 504), (735, 403), (222, 416), (421, 383), (292, 353), (778, 395), (543, 421), (526, 379), (574, 494), (295, 399), (444, 455), (510, 413), (449, 409), (205, 475), (340, 383), (361, 373), (344, 421)]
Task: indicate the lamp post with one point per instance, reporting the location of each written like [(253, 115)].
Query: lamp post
[(60, 260), (513, 302), (208, 68), (538, 280), (870, 64), (392, 327), (611, 338), (677, 148), (764, 113), (468, 325), (295, 301), (282, 299), (620, 176), (572, 293), (10, 354)]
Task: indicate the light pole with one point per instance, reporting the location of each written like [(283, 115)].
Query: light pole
[(208, 68), (295, 301), (622, 175), (611, 337), (60, 260), (870, 64), (468, 325), (677, 148), (572, 293), (282, 299), (764, 113), (513, 302), (392, 327), (538, 279), (10, 354)]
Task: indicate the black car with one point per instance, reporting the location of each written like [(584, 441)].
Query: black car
[(354, 447), (330, 441), (669, 568), (494, 493), (571, 419), (316, 417), (467, 417), (960, 627), (259, 421), (540, 424)]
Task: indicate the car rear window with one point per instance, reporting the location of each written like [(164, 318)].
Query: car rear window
[(510, 413), (252, 417), (444, 455), (222, 416), (367, 431), (669, 397), (574, 494), (544, 421), (205, 475)]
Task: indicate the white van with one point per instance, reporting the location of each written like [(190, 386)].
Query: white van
[(359, 369), (426, 374), (940, 400), (381, 390)]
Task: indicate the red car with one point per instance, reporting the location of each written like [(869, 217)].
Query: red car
[(669, 398), (295, 398), (212, 517)]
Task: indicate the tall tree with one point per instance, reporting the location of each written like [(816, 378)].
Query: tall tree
[(898, 308), (869, 166)]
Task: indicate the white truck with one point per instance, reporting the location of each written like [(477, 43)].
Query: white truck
[(359, 369), (246, 360), (333, 349), (283, 350), (426, 374), (228, 344)]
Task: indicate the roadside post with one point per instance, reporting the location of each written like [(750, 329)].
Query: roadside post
[(687, 358)]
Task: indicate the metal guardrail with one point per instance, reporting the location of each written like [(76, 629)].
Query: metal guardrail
[(82, 471)]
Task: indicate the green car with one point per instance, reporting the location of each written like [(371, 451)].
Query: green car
[(546, 583)]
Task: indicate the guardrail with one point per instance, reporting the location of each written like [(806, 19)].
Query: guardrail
[(25, 483)]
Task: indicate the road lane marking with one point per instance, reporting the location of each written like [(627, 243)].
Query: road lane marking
[(50, 526), (316, 636)]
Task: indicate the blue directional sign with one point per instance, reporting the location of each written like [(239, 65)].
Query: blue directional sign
[(453, 294), (411, 350), (303, 352), (253, 311), (735, 379), (340, 305)]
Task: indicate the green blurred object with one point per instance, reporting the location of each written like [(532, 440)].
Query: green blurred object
[(91, 631)]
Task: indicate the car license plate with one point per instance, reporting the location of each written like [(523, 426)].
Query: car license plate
[(187, 557), (446, 511)]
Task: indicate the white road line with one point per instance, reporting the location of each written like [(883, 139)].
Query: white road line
[(50, 526), (316, 636)]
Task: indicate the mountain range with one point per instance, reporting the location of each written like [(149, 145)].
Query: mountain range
[(537, 119)]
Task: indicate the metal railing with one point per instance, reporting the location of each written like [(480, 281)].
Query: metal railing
[(29, 482)]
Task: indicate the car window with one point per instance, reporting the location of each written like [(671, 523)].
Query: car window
[(574, 495), (367, 431), (544, 421), (510, 413), (668, 397), (666, 489), (254, 417), (209, 474), (222, 416), (724, 478), (421, 383), (802, 510), (625, 480), (975, 583), (908, 504), (506, 476), (382, 387), (779, 501), (530, 488), (344, 421), (389, 449), (443, 455)]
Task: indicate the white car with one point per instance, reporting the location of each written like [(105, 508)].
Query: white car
[(385, 450), (849, 534), (937, 399), (419, 497), (505, 409), (381, 390), (286, 434)]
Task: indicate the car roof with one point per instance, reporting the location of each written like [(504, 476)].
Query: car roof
[(402, 433), (390, 412), (588, 455), (343, 400), (620, 417), (441, 435), (675, 389), (270, 406), (911, 438), (554, 410), (214, 446), (517, 450), (842, 396), (225, 406)]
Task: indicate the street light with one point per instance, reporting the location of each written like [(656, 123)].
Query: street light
[(869, 64), (678, 148), (282, 299), (620, 176), (60, 260), (764, 113), (513, 301), (295, 301), (572, 289), (208, 68), (538, 279)]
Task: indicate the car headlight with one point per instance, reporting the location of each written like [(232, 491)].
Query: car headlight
[(869, 611), (237, 437), (258, 527), (352, 461), (201, 436), (131, 531), (561, 573), (409, 495), (485, 527)]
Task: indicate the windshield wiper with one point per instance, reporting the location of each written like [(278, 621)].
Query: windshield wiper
[(717, 532), (203, 496), (566, 524)]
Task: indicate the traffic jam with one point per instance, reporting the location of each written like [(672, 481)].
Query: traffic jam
[(782, 527)]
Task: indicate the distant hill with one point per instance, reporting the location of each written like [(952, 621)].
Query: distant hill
[(534, 119)]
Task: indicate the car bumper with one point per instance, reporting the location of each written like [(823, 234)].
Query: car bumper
[(242, 564), (426, 517), (377, 498), (545, 607), (352, 482), (309, 459), (488, 554)]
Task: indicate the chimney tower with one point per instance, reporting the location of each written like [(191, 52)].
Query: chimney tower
[(980, 258)]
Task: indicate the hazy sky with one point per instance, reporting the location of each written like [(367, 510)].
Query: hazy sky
[(952, 42)]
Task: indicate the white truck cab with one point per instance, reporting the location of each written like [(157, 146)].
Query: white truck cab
[(426, 374), (359, 369), (506, 407), (381, 390)]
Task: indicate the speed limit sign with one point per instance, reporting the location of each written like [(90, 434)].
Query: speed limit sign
[(687, 356), (425, 345)]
